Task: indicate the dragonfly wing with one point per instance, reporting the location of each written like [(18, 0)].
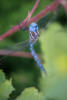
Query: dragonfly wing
[(18, 46)]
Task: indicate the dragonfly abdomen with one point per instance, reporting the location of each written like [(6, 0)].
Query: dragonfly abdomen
[(35, 56)]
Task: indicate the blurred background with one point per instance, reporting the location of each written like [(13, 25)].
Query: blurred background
[(52, 45)]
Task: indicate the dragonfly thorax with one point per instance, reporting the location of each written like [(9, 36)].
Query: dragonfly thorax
[(34, 33)]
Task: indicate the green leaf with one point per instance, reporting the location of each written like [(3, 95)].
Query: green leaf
[(30, 94), (5, 90), (2, 77)]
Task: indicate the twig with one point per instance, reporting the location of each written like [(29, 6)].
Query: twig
[(64, 4), (49, 8), (17, 53), (22, 24)]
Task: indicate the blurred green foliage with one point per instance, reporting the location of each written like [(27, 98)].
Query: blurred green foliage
[(54, 44), (6, 87), (23, 71), (30, 93)]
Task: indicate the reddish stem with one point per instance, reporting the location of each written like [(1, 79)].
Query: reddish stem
[(48, 9), (26, 22), (16, 53), (22, 24), (19, 54), (64, 3)]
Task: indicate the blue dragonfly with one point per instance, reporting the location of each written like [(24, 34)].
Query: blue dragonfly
[(33, 37)]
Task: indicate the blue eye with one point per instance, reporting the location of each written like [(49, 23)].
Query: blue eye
[(37, 27), (33, 27)]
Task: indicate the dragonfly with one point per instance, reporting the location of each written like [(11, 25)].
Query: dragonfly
[(33, 37)]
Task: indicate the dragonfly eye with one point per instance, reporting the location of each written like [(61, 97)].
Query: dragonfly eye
[(33, 27)]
